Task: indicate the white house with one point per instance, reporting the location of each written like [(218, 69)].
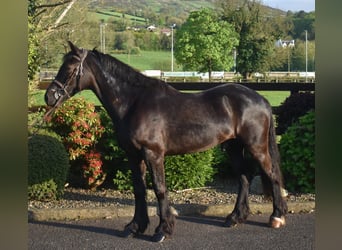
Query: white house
[(285, 43), (151, 28)]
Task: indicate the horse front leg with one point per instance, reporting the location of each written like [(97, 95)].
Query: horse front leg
[(140, 220), (155, 162), (241, 209)]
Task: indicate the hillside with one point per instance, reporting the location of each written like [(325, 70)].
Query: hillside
[(155, 11), (156, 6)]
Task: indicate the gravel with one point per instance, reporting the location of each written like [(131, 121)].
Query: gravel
[(220, 194)]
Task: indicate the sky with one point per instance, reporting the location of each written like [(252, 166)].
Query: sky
[(293, 5)]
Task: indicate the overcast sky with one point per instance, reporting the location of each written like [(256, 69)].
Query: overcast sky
[(293, 5)]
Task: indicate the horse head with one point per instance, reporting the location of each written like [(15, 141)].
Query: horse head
[(72, 77)]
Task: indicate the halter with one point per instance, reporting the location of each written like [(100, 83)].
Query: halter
[(78, 71)]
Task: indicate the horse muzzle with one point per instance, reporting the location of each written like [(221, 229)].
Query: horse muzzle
[(51, 97)]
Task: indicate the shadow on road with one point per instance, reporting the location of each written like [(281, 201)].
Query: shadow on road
[(217, 221), (92, 229)]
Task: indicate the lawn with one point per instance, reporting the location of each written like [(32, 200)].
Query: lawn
[(274, 97), (148, 60)]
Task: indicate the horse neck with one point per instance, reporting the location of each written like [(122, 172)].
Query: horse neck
[(116, 94)]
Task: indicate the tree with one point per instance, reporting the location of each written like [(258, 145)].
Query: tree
[(255, 34), (303, 21), (44, 18), (205, 43), (299, 60), (33, 51)]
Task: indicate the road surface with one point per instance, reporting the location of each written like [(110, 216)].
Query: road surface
[(190, 233)]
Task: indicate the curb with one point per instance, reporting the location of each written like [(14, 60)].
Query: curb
[(182, 209)]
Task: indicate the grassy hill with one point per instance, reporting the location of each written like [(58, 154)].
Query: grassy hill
[(159, 12), (156, 6), (146, 12)]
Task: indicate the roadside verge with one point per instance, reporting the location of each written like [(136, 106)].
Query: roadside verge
[(182, 209)]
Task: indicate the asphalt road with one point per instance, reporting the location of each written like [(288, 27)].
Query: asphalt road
[(190, 233)]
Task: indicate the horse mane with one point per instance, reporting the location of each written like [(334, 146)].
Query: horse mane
[(113, 67)]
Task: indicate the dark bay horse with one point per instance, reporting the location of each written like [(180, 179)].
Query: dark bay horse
[(152, 119)]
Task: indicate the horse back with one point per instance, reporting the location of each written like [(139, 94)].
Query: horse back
[(177, 123)]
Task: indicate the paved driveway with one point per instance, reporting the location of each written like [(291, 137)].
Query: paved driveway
[(191, 233)]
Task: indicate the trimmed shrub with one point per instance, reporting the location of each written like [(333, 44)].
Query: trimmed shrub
[(123, 180), (296, 105), (45, 191), (297, 149), (189, 170), (48, 166), (181, 171)]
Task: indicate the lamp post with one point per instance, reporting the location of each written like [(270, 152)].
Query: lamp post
[(289, 45), (103, 36), (306, 56), (234, 57), (172, 27)]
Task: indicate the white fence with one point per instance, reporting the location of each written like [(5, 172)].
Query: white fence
[(46, 75)]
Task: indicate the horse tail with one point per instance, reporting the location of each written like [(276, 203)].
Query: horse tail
[(275, 157)]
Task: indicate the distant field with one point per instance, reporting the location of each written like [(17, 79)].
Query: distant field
[(148, 60), (104, 14)]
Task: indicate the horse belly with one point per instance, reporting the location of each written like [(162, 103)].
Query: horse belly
[(195, 138)]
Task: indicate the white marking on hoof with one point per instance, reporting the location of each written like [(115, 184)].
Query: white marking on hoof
[(276, 222), (173, 211), (284, 192)]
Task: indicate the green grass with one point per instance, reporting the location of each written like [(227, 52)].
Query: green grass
[(38, 97), (148, 60), (274, 97), (105, 14)]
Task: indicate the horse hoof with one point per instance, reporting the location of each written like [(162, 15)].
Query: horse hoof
[(158, 237), (276, 222), (127, 233), (230, 223)]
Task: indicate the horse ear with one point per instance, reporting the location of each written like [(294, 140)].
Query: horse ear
[(73, 48)]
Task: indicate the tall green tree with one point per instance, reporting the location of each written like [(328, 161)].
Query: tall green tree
[(204, 43), (298, 60), (255, 34), (33, 42)]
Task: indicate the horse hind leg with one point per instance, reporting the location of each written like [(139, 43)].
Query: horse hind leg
[(272, 175), (241, 209)]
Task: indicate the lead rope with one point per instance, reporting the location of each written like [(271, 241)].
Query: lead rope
[(36, 125)]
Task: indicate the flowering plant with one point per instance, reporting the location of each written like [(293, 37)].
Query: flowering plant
[(92, 169), (80, 128), (79, 125)]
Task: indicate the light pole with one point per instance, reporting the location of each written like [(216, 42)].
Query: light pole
[(103, 37), (172, 27), (289, 45), (234, 57), (306, 56)]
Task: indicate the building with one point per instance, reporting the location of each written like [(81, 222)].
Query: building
[(285, 43)]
